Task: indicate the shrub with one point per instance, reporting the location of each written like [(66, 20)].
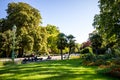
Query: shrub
[(116, 61), (103, 69), (113, 70), (99, 62), (108, 63), (108, 56), (86, 50), (116, 52), (105, 56), (102, 50), (101, 57), (88, 63), (90, 50), (88, 57)]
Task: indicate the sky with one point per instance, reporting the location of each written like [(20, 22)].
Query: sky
[(71, 16)]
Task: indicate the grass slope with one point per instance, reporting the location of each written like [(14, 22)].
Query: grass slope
[(51, 70)]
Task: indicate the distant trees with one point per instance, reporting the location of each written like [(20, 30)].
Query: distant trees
[(31, 37), (65, 41)]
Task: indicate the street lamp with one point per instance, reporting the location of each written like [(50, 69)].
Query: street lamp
[(13, 47)]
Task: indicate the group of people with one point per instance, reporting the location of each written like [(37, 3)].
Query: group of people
[(31, 59), (34, 58)]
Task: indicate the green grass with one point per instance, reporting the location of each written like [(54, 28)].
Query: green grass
[(51, 70)]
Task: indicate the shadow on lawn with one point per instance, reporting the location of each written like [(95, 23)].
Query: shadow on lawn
[(52, 70)]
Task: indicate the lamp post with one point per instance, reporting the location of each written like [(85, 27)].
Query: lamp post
[(13, 47)]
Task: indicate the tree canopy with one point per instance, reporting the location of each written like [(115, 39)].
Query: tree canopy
[(30, 36), (107, 23), (22, 14)]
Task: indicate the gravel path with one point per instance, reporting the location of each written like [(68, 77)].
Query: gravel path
[(19, 59)]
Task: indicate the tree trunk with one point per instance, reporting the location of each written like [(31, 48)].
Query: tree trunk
[(61, 54), (7, 52), (20, 53), (69, 53)]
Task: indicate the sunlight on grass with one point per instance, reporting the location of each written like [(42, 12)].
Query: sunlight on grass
[(36, 76), (7, 74), (51, 70)]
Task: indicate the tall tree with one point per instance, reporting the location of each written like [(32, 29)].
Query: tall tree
[(3, 23), (6, 43), (27, 19), (52, 32), (96, 41), (44, 36), (108, 21), (22, 14), (71, 43), (61, 43)]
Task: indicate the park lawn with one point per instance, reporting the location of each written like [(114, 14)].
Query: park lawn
[(51, 70)]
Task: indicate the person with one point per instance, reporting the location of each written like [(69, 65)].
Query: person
[(49, 57), (32, 55), (24, 60), (35, 58)]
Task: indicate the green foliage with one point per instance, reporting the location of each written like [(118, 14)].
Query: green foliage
[(99, 62), (101, 57), (103, 70), (116, 52), (28, 43), (96, 41), (6, 42), (86, 50), (52, 32), (70, 44), (29, 35), (116, 61), (107, 22), (113, 71), (107, 25), (77, 47), (108, 56), (61, 43), (22, 14), (105, 56), (88, 57)]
